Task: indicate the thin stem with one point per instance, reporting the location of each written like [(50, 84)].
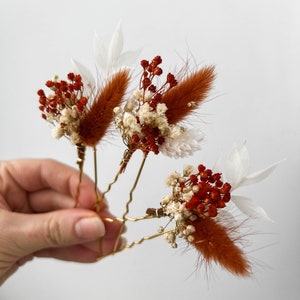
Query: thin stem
[(129, 201), (80, 162), (98, 199)]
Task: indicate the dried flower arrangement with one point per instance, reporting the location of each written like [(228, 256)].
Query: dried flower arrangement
[(151, 120)]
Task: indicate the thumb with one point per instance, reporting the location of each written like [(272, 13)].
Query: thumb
[(28, 233)]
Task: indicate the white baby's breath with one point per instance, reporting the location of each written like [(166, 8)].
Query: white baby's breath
[(57, 132)]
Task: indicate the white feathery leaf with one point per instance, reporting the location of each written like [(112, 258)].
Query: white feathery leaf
[(218, 166), (250, 208), (259, 175), (100, 50), (86, 75), (237, 165), (128, 58), (115, 47)]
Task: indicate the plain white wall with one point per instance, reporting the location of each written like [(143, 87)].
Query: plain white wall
[(256, 49)]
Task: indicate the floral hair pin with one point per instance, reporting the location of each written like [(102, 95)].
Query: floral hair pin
[(81, 109), (154, 119)]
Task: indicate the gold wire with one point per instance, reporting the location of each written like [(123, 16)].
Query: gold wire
[(111, 220), (126, 158), (129, 201), (111, 184), (139, 242), (145, 238), (124, 162)]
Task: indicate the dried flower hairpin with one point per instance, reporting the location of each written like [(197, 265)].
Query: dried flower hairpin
[(68, 109), (81, 109), (198, 205), (151, 120)]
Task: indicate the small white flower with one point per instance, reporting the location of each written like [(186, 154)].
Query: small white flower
[(144, 114), (170, 237), (178, 217), (190, 238), (117, 110), (74, 138), (175, 132), (237, 174), (162, 124), (129, 120), (173, 179), (161, 108), (166, 200), (138, 95), (131, 105), (188, 170), (130, 124), (190, 229), (57, 132), (187, 196)]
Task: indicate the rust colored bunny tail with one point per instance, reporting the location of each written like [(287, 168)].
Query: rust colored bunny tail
[(96, 121), (187, 95), (213, 241)]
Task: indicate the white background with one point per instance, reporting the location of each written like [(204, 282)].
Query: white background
[(256, 49)]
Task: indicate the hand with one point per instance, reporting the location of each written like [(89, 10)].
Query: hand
[(38, 218)]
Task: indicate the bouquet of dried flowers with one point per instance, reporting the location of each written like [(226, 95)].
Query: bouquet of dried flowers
[(154, 118)]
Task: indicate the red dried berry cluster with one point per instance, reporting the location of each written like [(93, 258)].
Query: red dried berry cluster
[(212, 192), (150, 142), (152, 69), (66, 94)]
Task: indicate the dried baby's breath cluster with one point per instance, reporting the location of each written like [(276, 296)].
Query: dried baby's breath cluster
[(194, 195)]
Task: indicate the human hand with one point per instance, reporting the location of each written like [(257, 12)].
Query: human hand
[(38, 218)]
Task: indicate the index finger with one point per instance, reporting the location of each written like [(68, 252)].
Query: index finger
[(44, 178)]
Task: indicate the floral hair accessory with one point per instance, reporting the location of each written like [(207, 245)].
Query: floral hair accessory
[(81, 109), (150, 119), (198, 207), (154, 118)]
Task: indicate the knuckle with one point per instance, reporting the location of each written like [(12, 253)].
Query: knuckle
[(53, 234)]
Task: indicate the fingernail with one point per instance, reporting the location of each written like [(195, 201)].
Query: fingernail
[(90, 228)]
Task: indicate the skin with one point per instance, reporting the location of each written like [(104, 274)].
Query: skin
[(38, 217)]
